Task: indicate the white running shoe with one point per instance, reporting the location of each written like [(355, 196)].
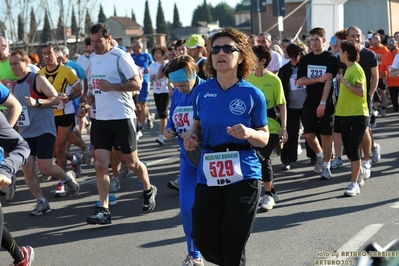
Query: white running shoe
[(353, 189), (267, 203)]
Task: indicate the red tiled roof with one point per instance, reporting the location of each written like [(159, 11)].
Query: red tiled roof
[(127, 22)]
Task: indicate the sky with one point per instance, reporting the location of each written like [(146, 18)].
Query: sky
[(185, 8)]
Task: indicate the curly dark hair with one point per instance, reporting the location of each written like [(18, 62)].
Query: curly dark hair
[(249, 63), (163, 49)]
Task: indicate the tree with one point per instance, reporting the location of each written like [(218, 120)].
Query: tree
[(148, 29), (225, 14), (206, 12), (46, 32), (133, 16), (161, 24), (101, 16), (33, 36), (60, 29), (21, 31), (88, 22), (2, 27), (114, 11), (74, 24), (201, 13), (176, 19)]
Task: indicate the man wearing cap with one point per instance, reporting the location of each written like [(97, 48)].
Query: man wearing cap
[(196, 48)]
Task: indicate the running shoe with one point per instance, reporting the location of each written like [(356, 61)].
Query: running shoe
[(353, 190), (124, 171), (77, 169), (149, 200), (61, 190), (325, 173), (10, 193), (40, 208), (174, 184), (318, 167), (87, 155), (160, 139), (114, 185), (376, 153), (267, 202), (99, 216), (336, 163), (71, 184), (190, 261), (29, 256)]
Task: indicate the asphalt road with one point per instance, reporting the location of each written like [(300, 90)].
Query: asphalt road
[(311, 220)]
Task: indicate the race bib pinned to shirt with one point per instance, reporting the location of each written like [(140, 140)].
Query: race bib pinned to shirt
[(94, 83), (294, 85), (59, 106), (183, 118), (222, 168), (23, 120), (315, 71)]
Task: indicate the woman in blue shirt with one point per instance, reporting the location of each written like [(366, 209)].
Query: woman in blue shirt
[(229, 119), (181, 71)]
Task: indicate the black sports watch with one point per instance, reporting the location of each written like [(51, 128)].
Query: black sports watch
[(39, 102)]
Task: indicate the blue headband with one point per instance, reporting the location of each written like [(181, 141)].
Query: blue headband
[(180, 75)]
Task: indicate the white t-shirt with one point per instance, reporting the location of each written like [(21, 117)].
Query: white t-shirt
[(113, 105), (33, 68), (159, 85), (83, 61), (395, 63), (276, 62)]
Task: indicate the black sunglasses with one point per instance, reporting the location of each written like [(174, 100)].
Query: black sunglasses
[(226, 49)]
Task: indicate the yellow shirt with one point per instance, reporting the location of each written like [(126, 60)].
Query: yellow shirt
[(60, 78), (349, 104), (270, 85)]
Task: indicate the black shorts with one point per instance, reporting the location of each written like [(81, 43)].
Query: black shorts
[(337, 124), (65, 120), (381, 85), (109, 130), (313, 124), (136, 99), (92, 132), (162, 104), (42, 146)]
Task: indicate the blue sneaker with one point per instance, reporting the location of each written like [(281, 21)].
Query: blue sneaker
[(111, 201)]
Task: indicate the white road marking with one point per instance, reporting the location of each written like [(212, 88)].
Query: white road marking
[(359, 239), (395, 205)]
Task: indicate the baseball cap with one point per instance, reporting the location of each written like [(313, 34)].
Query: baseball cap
[(195, 41), (333, 40), (214, 31)]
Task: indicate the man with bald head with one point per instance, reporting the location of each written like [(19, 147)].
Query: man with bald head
[(379, 50)]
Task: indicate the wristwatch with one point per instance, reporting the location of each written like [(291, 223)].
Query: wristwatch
[(323, 102), (39, 102)]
